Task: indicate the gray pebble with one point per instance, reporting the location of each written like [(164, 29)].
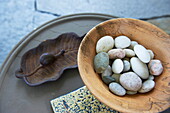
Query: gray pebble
[(126, 58), (151, 77), (108, 79), (117, 89), (107, 71), (151, 53), (147, 86), (131, 92), (116, 77), (126, 65), (101, 62), (133, 43)]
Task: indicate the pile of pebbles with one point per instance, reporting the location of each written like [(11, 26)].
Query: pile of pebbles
[(126, 66)]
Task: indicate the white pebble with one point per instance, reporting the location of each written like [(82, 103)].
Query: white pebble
[(151, 53), (117, 89), (122, 42), (147, 86), (108, 71), (117, 66), (142, 53), (116, 53), (105, 44), (129, 53), (155, 67), (130, 81), (126, 65), (139, 68)]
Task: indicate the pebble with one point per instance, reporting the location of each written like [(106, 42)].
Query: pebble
[(117, 66), (126, 65), (105, 44), (116, 77), (131, 92), (151, 53), (133, 43), (117, 89), (129, 53), (155, 67), (116, 53), (108, 79), (151, 77), (147, 86), (127, 58), (142, 53), (107, 71), (122, 42), (131, 81), (101, 62), (139, 67)]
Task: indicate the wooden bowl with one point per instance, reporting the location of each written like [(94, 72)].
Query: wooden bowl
[(144, 33)]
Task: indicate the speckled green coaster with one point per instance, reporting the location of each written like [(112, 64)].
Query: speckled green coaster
[(79, 101)]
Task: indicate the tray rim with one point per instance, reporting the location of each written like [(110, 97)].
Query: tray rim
[(13, 53)]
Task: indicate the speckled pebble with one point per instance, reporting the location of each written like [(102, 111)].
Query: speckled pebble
[(151, 53), (117, 66), (117, 89), (107, 71), (142, 53), (139, 67), (122, 42), (116, 53), (132, 44), (147, 86), (116, 77), (131, 81), (126, 65), (101, 62), (129, 53), (104, 44), (155, 67), (131, 92)]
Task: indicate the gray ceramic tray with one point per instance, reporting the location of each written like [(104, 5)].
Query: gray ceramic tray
[(15, 95)]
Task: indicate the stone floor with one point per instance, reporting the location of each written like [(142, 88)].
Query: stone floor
[(19, 17)]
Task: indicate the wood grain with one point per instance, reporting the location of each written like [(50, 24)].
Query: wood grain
[(30, 62), (144, 33)]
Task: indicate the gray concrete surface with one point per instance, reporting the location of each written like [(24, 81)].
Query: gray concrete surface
[(19, 17), (121, 8)]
